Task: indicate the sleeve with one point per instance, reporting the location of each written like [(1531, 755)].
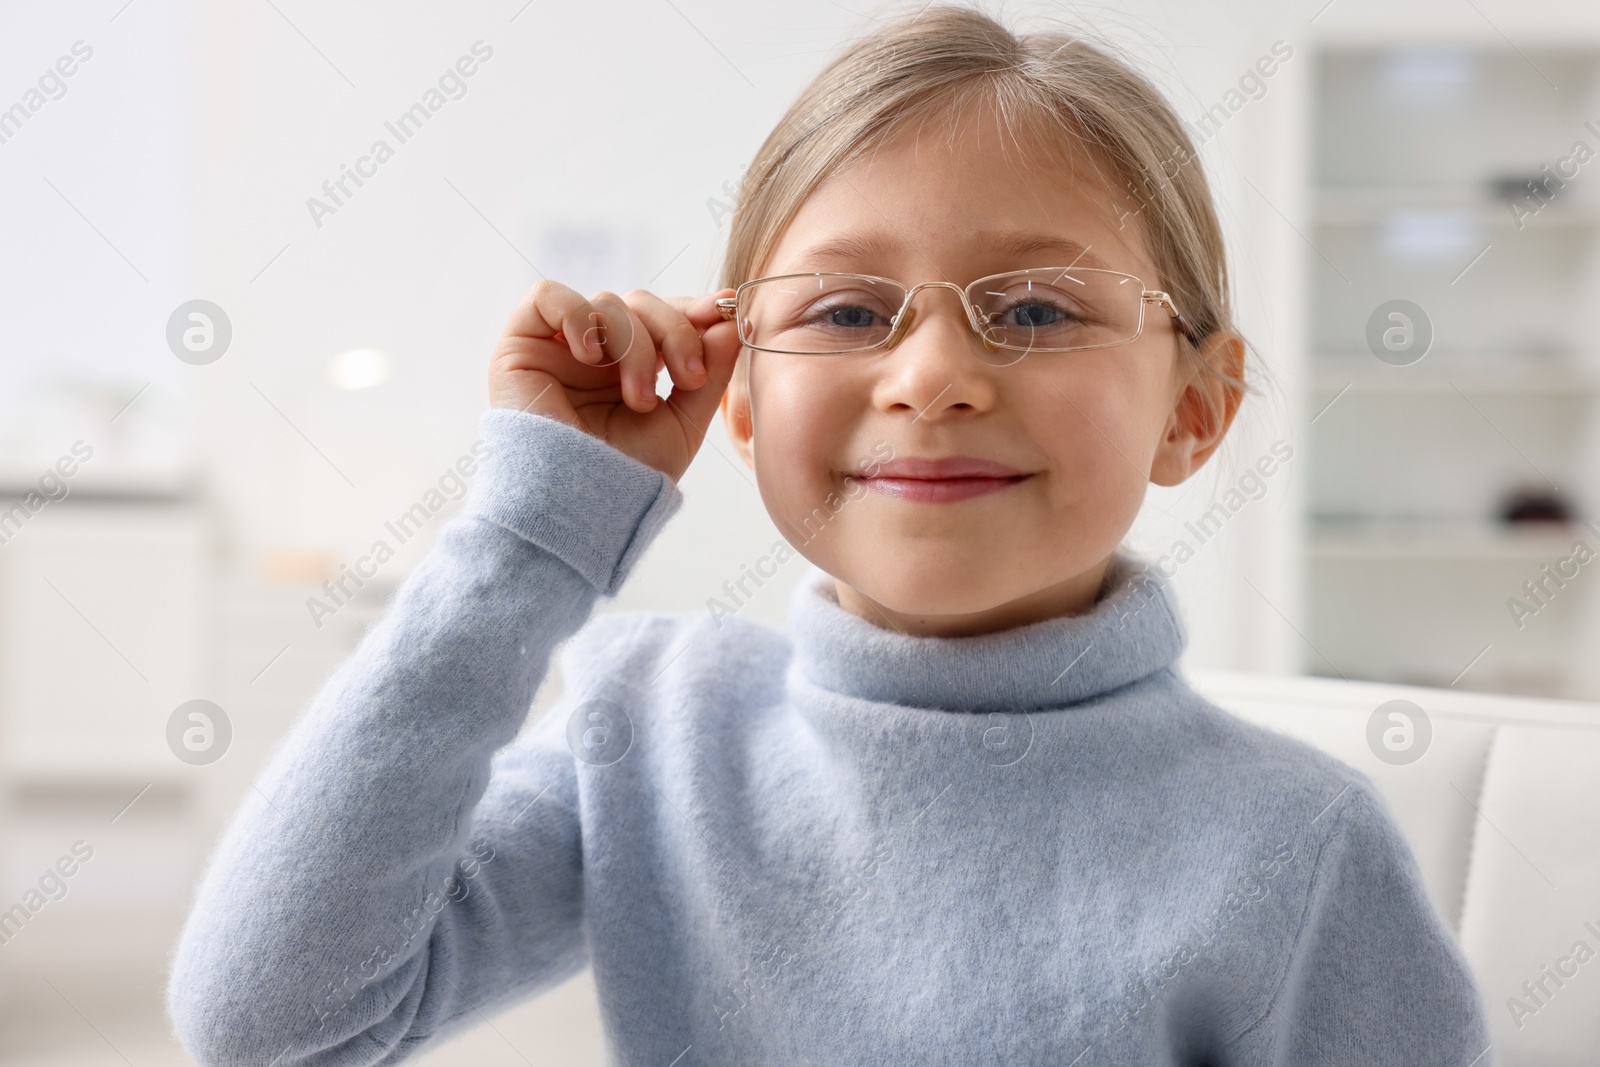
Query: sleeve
[(391, 877), (1375, 975)]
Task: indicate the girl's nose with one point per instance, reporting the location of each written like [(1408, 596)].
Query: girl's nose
[(934, 363)]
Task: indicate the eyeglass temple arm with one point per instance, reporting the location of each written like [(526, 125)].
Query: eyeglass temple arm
[(728, 305)]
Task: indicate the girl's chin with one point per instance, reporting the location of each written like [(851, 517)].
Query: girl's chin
[(926, 593)]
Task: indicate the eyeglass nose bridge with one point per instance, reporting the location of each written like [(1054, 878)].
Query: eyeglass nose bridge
[(904, 317)]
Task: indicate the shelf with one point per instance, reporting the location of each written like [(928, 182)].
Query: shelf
[(1372, 205), (1444, 540), (104, 479), (1444, 374), (46, 760)]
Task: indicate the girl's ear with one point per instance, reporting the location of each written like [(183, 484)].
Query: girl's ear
[(1205, 408), (736, 411)]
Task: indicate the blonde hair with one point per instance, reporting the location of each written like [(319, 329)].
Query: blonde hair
[(1059, 89)]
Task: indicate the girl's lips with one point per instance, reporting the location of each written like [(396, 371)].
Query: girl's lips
[(938, 481), (940, 490)]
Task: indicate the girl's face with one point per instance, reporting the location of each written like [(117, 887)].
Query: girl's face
[(833, 439)]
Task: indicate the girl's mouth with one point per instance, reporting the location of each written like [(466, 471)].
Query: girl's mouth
[(942, 481)]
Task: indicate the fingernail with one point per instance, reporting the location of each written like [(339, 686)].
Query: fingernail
[(695, 366)]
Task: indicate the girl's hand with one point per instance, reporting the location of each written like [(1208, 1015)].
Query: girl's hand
[(593, 365)]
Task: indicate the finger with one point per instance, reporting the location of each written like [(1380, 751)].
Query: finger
[(720, 347), (551, 310), (674, 336), (628, 344)]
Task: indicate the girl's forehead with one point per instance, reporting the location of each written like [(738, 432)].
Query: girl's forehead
[(883, 244), (961, 196), (860, 223)]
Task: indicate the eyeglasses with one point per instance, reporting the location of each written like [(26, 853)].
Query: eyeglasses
[(1042, 309)]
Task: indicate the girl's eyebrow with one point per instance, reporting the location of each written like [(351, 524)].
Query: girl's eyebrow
[(1023, 243), (1009, 243), (845, 246)]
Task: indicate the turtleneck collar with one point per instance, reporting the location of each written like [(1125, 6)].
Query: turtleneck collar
[(1132, 630)]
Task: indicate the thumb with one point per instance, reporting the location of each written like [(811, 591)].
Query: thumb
[(720, 349)]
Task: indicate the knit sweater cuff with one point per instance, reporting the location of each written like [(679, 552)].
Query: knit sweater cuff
[(588, 504)]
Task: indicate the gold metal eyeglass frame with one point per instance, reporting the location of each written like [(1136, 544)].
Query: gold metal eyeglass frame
[(730, 307)]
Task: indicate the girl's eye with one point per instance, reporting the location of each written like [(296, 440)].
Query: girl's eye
[(1034, 314), (846, 317), (853, 317)]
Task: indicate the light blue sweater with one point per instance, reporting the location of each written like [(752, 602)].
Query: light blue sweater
[(843, 846)]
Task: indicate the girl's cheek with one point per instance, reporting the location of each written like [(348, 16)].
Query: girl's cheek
[(1111, 420), (799, 420), (793, 479)]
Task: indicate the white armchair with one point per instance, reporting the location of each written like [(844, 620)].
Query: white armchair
[(1503, 812)]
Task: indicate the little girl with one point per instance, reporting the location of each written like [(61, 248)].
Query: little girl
[(966, 810)]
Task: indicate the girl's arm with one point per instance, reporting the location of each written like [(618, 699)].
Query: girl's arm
[(363, 900), (1376, 975)]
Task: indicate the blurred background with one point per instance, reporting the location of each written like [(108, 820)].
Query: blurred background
[(223, 378)]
